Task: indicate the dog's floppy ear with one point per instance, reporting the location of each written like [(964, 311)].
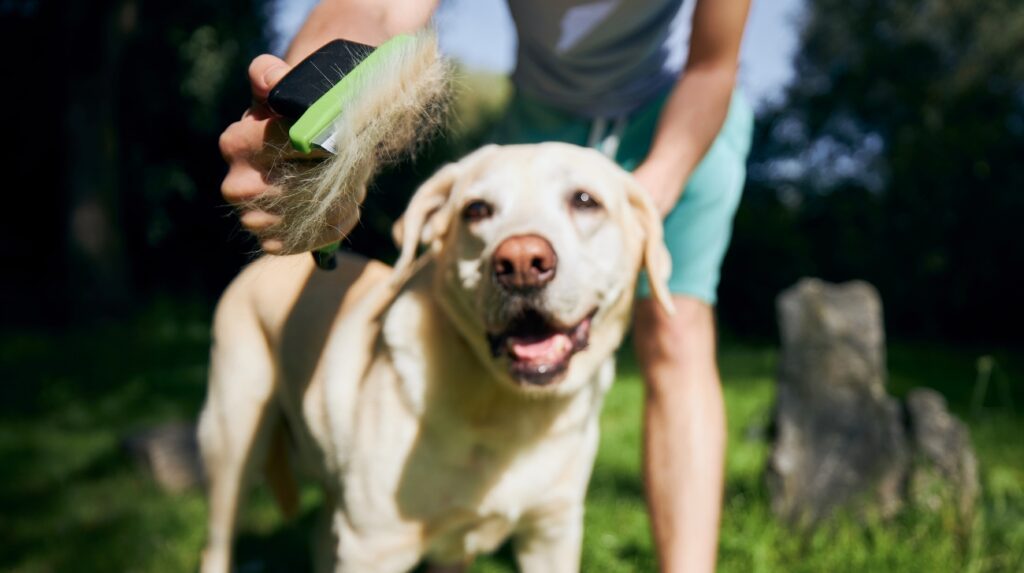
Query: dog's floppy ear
[(417, 225), (655, 256), (426, 218)]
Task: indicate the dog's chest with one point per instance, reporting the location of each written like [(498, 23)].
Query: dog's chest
[(468, 536), (442, 461), (470, 496), (455, 494)]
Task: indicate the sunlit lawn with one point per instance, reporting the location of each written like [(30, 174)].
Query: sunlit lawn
[(70, 500)]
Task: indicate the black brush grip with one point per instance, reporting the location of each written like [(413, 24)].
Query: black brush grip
[(314, 76)]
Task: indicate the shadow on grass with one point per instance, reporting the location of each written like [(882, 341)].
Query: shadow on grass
[(289, 549), (70, 500), (285, 549)]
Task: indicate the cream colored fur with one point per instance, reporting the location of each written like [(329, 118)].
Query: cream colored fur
[(383, 384)]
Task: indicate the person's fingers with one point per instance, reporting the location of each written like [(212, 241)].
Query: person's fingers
[(234, 142), (243, 184), (272, 246), (258, 111), (260, 141), (273, 242), (264, 73), (275, 145), (258, 221)]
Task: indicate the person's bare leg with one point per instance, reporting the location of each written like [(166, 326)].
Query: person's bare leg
[(684, 431)]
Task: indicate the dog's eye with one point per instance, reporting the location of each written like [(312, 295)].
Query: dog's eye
[(584, 201), (476, 211)]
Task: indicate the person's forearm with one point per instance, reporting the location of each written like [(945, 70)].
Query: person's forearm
[(366, 21), (699, 102), (689, 123)]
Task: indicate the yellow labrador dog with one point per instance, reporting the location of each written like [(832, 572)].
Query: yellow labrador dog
[(451, 402)]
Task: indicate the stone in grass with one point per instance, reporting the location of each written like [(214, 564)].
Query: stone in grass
[(945, 470), (169, 453), (839, 438)]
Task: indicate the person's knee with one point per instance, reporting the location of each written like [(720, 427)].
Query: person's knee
[(661, 333), (674, 342)]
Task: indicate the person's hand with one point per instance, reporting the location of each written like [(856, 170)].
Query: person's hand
[(663, 182), (251, 146)]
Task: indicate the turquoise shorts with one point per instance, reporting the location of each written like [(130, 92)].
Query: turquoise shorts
[(698, 229)]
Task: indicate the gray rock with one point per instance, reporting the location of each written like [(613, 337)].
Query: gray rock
[(945, 470), (839, 437), (169, 453)]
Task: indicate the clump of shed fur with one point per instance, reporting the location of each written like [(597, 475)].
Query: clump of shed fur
[(401, 104)]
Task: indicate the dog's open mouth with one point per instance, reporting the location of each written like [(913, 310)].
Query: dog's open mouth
[(538, 348)]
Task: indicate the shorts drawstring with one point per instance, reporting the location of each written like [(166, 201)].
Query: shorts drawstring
[(607, 143)]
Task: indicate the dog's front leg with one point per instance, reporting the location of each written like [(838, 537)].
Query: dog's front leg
[(551, 541), (233, 425)]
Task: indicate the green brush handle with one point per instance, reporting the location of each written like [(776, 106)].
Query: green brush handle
[(300, 97), (325, 257), (322, 114)]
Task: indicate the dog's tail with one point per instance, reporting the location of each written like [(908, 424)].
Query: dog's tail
[(278, 472)]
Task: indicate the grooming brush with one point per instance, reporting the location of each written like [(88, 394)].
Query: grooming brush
[(364, 106)]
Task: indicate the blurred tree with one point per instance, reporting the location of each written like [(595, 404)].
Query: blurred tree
[(117, 113), (183, 80), (94, 36), (896, 155)]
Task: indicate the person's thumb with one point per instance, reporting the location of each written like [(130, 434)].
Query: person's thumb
[(264, 73)]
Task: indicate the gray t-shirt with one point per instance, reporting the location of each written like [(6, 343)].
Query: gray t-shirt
[(599, 57)]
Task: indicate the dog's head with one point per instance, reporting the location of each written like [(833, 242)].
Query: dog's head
[(538, 250)]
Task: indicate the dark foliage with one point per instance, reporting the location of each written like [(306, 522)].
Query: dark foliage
[(897, 156), (894, 156), (117, 117), (118, 155)]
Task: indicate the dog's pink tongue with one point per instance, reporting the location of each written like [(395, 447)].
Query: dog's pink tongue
[(546, 350)]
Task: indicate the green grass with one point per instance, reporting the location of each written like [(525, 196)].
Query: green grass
[(70, 500)]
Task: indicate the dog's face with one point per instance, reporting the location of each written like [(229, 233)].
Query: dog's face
[(538, 248)]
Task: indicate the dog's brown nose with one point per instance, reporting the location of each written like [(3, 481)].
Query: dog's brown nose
[(524, 262)]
